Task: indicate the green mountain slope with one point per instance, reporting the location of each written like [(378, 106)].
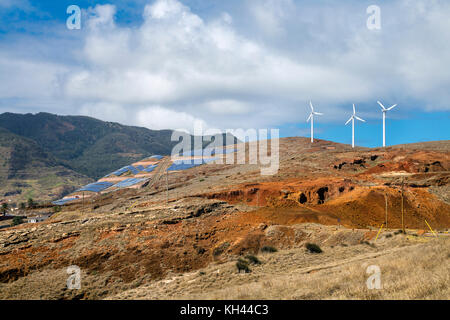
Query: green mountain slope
[(86, 145), (28, 171), (89, 146)]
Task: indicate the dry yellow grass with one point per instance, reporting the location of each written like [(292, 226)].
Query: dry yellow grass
[(414, 271), (418, 272)]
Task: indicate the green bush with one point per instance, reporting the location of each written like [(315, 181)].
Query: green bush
[(241, 264), (268, 249), (31, 203), (17, 220), (313, 248), (252, 259)]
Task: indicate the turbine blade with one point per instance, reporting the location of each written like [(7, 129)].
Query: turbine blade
[(318, 113), (360, 119), (354, 109), (392, 107), (349, 120), (309, 118), (312, 108), (381, 105)]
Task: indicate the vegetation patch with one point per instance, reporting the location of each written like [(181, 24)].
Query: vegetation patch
[(268, 249), (313, 248), (252, 259), (242, 265)]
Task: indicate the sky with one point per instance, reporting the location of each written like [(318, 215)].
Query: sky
[(167, 64)]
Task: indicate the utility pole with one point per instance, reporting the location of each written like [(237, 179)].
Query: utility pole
[(386, 211), (403, 225), (167, 186), (257, 198)]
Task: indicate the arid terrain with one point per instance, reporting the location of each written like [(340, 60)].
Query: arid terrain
[(181, 238)]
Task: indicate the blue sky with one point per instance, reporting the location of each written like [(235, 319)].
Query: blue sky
[(233, 64)]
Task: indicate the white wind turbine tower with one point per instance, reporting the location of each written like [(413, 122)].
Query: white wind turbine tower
[(352, 119), (311, 117), (384, 110)]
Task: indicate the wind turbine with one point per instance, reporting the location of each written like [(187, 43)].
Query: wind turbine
[(384, 110), (352, 119), (311, 117)]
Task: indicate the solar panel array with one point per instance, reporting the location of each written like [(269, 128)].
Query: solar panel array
[(150, 168), (209, 160), (180, 165), (207, 151), (96, 186), (128, 182), (121, 171), (61, 202), (157, 157)]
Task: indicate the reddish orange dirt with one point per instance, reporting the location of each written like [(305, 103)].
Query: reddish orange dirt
[(217, 212)]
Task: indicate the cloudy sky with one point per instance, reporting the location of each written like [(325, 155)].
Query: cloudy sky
[(233, 64)]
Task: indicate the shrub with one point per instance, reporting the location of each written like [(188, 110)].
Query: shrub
[(17, 220), (56, 209), (241, 264), (369, 244), (268, 249), (313, 248), (252, 259), (31, 203), (220, 249)]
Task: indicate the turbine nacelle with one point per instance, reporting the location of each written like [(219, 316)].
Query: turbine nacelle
[(354, 116), (313, 113), (384, 109)]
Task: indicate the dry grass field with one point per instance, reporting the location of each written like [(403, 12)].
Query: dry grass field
[(410, 269)]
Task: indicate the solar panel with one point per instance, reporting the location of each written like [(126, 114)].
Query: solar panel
[(96, 186), (187, 164), (157, 157), (207, 151), (179, 165), (125, 169), (150, 168), (61, 202), (209, 160), (128, 182), (140, 168)]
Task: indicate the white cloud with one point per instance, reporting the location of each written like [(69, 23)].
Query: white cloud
[(270, 15), (161, 118), (178, 67)]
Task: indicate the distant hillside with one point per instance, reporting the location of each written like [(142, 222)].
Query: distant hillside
[(26, 171), (87, 145)]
